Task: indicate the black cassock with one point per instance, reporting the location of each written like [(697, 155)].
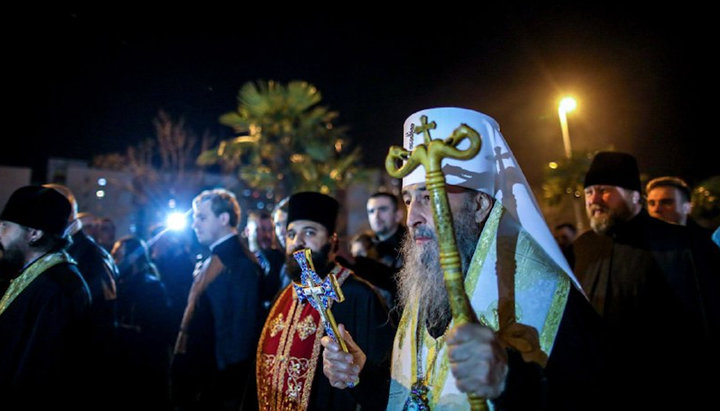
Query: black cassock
[(44, 335), (644, 280)]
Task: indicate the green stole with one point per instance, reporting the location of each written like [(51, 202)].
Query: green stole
[(533, 275), (29, 274)]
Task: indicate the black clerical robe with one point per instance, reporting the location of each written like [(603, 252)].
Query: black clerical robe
[(43, 335), (642, 278)]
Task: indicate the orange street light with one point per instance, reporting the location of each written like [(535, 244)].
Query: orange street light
[(566, 104), (569, 104)]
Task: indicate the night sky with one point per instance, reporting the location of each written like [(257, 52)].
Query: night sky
[(84, 82)]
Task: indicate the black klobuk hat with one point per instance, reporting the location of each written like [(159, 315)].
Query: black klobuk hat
[(313, 206), (38, 207), (613, 168)]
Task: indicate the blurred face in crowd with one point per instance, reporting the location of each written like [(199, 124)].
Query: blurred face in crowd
[(209, 227), (358, 248), (307, 234), (119, 255), (564, 236), (607, 206), (14, 240), (668, 204), (280, 223), (260, 233), (383, 216)]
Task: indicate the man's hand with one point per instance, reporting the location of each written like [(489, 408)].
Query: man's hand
[(477, 359), (341, 368)]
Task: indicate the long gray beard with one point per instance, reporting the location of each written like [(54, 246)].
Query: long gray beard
[(421, 277)]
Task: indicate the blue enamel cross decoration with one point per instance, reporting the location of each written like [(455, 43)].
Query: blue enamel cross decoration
[(319, 293)]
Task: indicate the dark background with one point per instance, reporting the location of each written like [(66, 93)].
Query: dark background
[(88, 81)]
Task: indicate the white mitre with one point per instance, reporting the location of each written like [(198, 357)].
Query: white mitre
[(493, 170)]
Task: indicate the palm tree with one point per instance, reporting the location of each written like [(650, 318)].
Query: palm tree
[(286, 142), (563, 181), (565, 178)]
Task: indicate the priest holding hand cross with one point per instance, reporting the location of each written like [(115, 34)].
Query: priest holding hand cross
[(289, 372)]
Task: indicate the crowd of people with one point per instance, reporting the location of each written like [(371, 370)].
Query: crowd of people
[(621, 316)]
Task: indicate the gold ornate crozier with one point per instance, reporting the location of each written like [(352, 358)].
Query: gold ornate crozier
[(430, 155)]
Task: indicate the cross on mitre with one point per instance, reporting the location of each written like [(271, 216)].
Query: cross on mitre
[(424, 129), (318, 293), (500, 157)]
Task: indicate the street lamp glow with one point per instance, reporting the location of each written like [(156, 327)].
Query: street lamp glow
[(568, 104)]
